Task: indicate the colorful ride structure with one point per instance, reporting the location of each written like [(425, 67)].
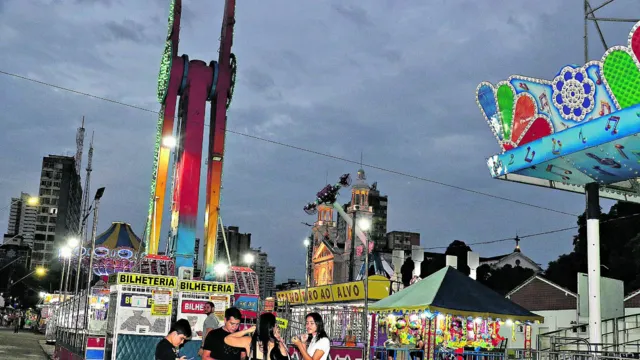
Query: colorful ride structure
[(117, 249), (195, 83)]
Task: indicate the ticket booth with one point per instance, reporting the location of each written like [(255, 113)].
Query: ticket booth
[(192, 296), (140, 314)]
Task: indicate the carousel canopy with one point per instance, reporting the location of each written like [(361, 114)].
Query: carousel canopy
[(119, 235), (449, 291)]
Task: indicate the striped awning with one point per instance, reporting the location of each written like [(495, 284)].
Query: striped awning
[(118, 236)]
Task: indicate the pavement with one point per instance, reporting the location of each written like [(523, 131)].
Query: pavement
[(24, 345)]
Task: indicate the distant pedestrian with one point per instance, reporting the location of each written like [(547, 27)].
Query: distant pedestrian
[(167, 348), (16, 323)]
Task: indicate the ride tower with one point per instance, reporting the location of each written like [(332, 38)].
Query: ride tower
[(194, 83)]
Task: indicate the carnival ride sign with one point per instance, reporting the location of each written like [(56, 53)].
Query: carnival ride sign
[(206, 287), (143, 280), (351, 291), (581, 127)]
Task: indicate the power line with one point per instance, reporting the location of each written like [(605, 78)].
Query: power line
[(310, 151), (548, 232)]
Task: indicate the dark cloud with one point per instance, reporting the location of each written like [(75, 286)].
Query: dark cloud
[(128, 30), (400, 90)]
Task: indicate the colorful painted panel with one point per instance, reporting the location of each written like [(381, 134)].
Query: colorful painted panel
[(567, 144), (522, 110)]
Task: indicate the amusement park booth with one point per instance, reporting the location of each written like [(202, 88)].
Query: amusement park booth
[(143, 307), (341, 307), (451, 314)]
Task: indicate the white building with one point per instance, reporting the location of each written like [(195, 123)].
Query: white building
[(22, 221), (516, 258)]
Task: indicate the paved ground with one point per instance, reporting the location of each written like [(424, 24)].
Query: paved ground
[(24, 345)]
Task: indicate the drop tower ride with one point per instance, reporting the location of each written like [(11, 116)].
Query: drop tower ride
[(194, 83)]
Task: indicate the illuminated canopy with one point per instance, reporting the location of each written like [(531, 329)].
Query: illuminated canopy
[(581, 127)]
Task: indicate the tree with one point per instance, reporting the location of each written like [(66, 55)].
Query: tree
[(407, 271), (504, 279), (619, 249)]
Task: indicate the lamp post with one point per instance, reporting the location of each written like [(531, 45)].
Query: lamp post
[(307, 244), (65, 252), (94, 229), (40, 271), (72, 243), (82, 241), (365, 225)]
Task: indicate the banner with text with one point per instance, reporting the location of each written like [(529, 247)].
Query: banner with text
[(344, 292)]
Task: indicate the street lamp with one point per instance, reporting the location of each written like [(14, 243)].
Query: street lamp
[(221, 269), (65, 254), (364, 224), (72, 243), (307, 244), (39, 271), (249, 258)]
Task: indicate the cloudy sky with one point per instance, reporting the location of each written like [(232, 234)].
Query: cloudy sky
[(392, 79)]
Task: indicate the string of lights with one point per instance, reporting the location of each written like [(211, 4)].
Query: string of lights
[(299, 148)]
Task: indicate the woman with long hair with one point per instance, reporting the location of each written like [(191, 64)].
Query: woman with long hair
[(315, 344), (265, 343)]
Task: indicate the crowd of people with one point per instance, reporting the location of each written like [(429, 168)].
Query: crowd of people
[(223, 341)]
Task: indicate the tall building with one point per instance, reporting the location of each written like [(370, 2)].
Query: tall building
[(22, 220), (60, 207), (239, 245), (402, 240), (266, 273)]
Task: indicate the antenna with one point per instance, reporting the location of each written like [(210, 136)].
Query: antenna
[(360, 159), (87, 195), (79, 147)]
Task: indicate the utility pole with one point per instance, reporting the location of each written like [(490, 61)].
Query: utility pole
[(352, 253)]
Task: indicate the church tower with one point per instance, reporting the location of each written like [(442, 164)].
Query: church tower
[(324, 243), (360, 208)]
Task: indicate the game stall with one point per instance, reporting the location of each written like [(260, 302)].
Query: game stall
[(341, 307), (445, 314)]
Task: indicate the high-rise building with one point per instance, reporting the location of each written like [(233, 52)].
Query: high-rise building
[(60, 207), (266, 273), (239, 245), (22, 220), (402, 240)]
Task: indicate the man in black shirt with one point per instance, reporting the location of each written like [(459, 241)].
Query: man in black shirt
[(214, 346), (167, 348)]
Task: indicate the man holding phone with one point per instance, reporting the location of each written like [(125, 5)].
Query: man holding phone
[(214, 347), (167, 348)]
